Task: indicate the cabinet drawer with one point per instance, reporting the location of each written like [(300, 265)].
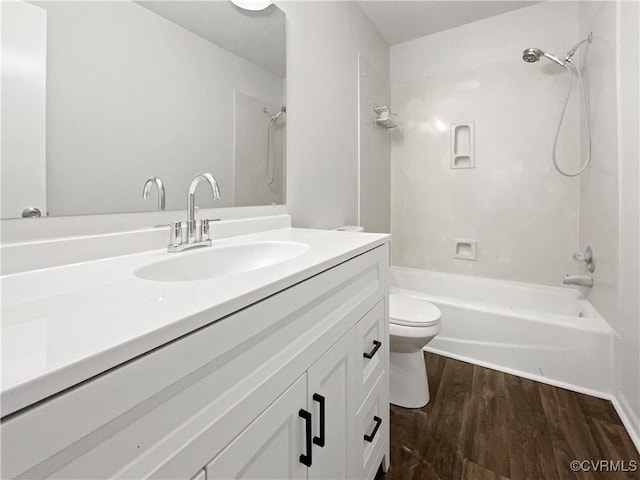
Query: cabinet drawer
[(373, 346), (372, 428)]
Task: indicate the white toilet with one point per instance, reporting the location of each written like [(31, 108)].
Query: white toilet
[(413, 322)]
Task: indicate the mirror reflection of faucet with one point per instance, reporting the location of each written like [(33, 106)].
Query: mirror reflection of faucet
[(146, 190)]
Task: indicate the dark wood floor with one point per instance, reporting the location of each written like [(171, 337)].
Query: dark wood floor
[(483, 424)]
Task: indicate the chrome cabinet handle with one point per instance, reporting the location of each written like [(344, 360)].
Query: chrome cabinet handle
[(376, 346), (369, 438), (319, 440), (306, 459)]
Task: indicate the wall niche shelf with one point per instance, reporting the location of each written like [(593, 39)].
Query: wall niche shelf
[(463, 145)]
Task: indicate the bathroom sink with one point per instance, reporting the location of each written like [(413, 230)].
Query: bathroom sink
[(216, 261)]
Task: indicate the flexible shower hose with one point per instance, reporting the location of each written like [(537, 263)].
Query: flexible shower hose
[(585, 114)]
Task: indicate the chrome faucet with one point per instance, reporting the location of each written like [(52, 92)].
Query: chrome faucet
[(160, 186), (191, 203), (196, 237), (579, 280)]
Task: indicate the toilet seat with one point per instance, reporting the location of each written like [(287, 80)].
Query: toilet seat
[(412, 311)]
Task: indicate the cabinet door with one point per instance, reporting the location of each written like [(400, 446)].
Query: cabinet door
[(270, 447), (332, 383)]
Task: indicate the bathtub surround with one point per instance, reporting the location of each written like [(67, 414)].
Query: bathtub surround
[(523, 215)]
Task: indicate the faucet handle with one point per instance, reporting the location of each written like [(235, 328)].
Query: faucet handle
[(579, 256), (586, 257), (175, 233), (204, 230)]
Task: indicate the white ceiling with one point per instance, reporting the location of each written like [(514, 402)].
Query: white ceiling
[(400, 21), (256, 36)]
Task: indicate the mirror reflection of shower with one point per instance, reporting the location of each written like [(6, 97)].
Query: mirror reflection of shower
[(269, 172)]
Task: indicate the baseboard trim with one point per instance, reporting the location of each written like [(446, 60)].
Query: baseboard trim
[(520, 373), (630, 421)]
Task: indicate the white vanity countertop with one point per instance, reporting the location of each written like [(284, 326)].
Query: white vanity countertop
[(63, 325)]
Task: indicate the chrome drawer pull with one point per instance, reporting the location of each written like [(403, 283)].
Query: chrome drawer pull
[(369, 438), (376, 346)]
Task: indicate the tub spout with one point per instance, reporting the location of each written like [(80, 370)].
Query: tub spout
[(579, 280)]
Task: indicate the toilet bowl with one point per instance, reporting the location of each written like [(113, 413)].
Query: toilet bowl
[(413, 323)]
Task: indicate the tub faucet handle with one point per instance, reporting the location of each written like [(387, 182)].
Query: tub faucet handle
[(586, 257)]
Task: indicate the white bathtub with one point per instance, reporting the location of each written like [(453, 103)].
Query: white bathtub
[(548, 334)]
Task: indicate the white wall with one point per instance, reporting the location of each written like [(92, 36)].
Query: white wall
[(323, 43), (522, 213), (627, 342), (108, 131)]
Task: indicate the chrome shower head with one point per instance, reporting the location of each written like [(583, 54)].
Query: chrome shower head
[(277, 115), (531, 55)]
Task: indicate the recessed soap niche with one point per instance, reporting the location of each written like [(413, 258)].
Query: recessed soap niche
[(465, 249), (463, 153)]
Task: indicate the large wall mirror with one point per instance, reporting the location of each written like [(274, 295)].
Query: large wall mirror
[(100, 96)]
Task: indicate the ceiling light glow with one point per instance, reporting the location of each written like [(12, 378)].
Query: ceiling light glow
[(252, 4)]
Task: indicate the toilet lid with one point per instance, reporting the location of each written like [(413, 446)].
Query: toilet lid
[(412, 311)]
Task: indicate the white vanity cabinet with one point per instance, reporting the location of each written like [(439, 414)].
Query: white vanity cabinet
[(233, 398)]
